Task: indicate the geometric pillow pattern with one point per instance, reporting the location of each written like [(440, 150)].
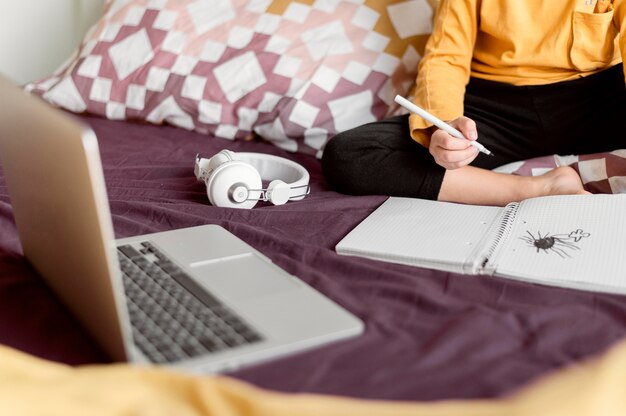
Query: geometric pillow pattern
[(292, 72), (601, 173)]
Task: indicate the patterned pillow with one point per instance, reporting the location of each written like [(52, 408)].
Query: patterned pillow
[(292, 72), (601, 173)]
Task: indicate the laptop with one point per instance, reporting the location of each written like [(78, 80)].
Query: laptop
[(199, 298)]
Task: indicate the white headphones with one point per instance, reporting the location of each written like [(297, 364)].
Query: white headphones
[(235, 180)]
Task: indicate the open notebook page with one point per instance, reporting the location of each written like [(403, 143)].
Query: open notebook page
[(419, 232), (575, 240)]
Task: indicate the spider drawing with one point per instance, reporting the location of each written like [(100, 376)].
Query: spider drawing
[(556, 243)]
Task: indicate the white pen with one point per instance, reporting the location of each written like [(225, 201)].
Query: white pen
[(439, 123)]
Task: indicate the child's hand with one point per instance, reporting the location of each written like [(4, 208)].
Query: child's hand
[(451, 152)]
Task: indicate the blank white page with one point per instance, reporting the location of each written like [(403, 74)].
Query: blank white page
[(573, 240), (434, 234)]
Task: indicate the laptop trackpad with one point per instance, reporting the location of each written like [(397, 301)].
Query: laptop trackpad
[(243, 276)]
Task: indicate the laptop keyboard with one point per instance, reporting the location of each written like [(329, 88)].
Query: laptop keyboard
[(172, 317)]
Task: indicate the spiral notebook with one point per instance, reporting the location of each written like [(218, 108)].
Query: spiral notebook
[(576, 241)]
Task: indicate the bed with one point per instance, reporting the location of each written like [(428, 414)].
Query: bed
[(429, 334)]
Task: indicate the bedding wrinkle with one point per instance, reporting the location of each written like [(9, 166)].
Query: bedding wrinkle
[(494, 337), (610, 308)]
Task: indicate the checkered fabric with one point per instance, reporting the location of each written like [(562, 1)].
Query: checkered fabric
[(600, 172), (292, 72)]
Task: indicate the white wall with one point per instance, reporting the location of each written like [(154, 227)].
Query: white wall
[(36, 36)]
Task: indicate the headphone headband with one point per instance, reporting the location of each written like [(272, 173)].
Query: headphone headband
[(272, 168)]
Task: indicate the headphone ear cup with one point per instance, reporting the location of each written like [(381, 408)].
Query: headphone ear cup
[(219, 158), (278, 192), (234, 184)]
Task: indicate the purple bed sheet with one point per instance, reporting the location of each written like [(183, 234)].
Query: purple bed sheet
[(429, 334)]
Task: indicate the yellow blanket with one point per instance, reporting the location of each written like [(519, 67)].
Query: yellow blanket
[(31, 386)]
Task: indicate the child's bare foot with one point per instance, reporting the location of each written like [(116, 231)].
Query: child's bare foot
[(563, 180)]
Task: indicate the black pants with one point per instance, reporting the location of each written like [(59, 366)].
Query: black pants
[(586, 115)]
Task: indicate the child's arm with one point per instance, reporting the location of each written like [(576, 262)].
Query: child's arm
[(444, 70), (620, 21)]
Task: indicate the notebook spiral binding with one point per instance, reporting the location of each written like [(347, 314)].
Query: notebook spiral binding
[(505, 222)]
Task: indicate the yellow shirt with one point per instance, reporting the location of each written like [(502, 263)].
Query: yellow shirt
[(520, 42)]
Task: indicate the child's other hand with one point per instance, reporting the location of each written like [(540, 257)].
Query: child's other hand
[(451, 152)]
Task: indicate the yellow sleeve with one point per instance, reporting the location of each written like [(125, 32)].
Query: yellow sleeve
[(444, 70), (619, 18)]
